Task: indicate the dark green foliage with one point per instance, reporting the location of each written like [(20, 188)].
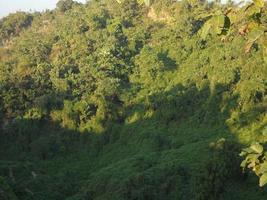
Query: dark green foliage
[(13, 24), (6, 192), (220, 167), (64, 5), (118, 101)]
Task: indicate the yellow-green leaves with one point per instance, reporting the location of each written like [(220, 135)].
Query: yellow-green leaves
[(263, 180), (254, 7), (264, 50), (218, 24), (259, 3), (255, 159), (146, 2), (253, 36), (257, 148), (205, 30), (256, 27), (265, 54)]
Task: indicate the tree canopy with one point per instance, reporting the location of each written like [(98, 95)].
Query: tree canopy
[(134, 100)]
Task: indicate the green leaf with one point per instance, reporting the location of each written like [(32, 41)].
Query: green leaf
[(248, 150), (218, 23), (263, 179), (205, 30), (243, 163), (253, 158), (255, 34), (265, 60), (257, 148), (243, 153), (259, 3), (248, 46), (263, 168), (264, 54), (147, 2), (251, 10)]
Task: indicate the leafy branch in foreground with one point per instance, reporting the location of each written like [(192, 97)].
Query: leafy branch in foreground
[(256, 160)]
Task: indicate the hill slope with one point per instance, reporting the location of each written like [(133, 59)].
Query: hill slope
[(106, 101)]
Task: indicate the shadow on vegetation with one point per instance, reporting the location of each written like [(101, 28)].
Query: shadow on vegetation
[(169, 63), (172, 145)]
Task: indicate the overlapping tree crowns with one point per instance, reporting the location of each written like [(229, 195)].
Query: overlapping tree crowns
[(64, 5), (13, 24), (146, 2), (254, 30)]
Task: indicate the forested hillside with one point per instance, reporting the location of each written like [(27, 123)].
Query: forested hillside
[(133, 100)]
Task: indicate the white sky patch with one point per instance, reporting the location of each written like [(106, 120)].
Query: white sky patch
[(11, 6)]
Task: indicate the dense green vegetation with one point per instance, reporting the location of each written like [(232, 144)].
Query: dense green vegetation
[(257, 161), (133, 100)]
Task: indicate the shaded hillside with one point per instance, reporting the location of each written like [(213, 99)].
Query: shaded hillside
[(108, 101)]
